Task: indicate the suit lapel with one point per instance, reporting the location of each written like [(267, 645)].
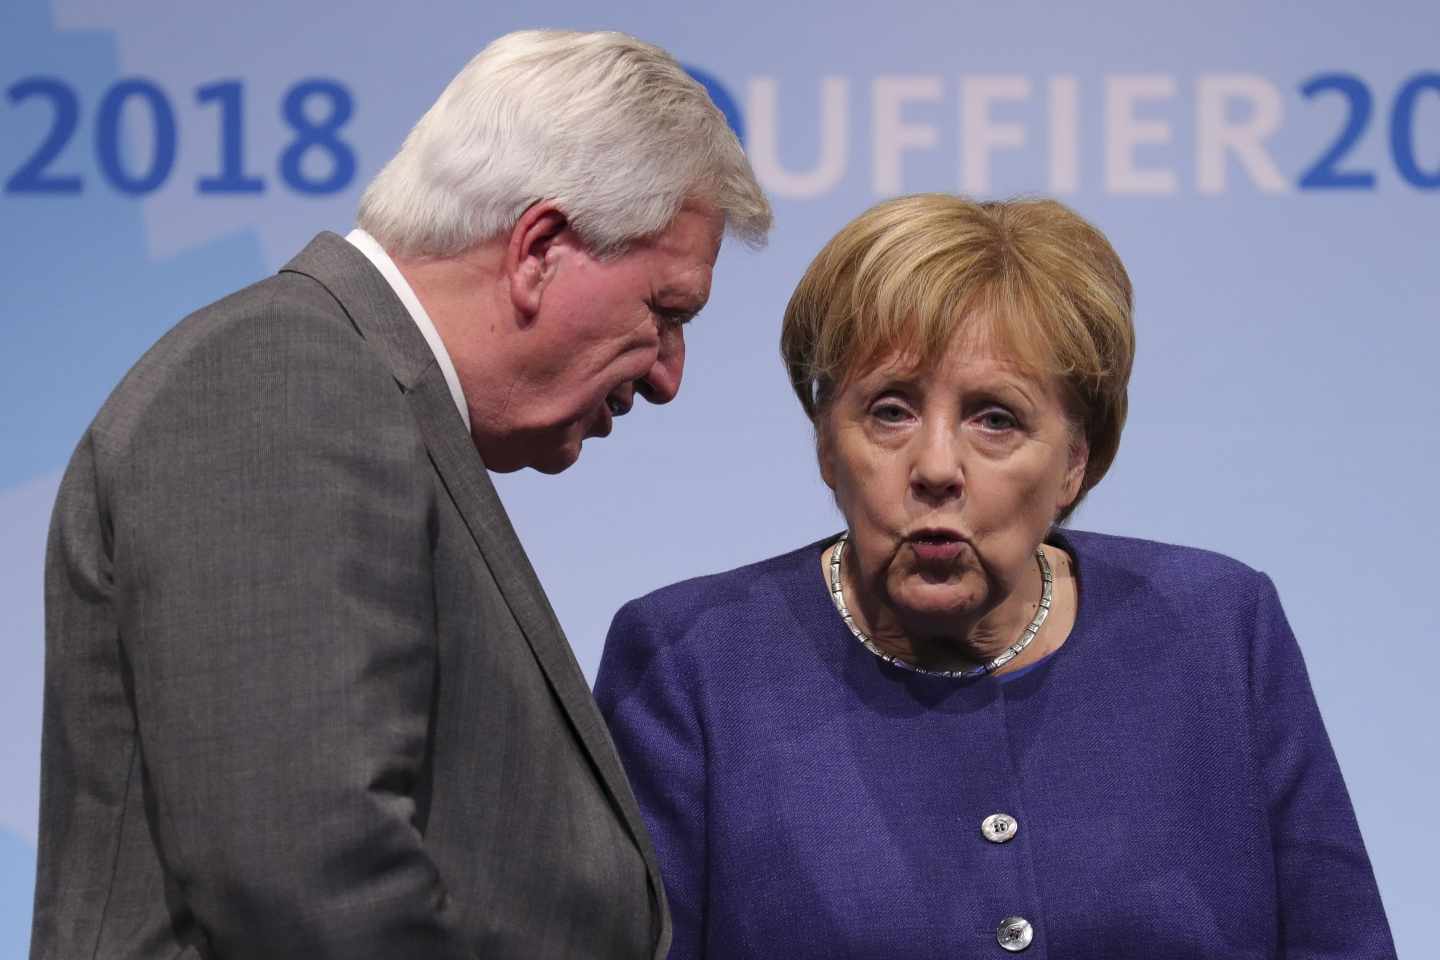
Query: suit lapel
[(382, 319)]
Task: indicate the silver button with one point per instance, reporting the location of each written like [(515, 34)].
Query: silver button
[(999, 827), (1015, 934)]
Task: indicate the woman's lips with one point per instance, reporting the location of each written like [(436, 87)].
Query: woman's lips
[(936, 546)]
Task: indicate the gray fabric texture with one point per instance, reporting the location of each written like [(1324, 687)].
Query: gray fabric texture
[(304, 696)]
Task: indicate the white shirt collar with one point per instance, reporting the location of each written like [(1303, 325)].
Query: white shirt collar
[(367, 245)]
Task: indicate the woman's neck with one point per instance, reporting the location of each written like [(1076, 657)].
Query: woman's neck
[(966, 643)]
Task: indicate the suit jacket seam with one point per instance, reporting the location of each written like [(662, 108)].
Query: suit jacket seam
[(119, 838)]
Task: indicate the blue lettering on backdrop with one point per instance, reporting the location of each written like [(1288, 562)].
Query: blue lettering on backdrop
[(31, 177), (107, 137), (230, 94), (318, 109), (318, 136), (1325, 175), (1402, 131)]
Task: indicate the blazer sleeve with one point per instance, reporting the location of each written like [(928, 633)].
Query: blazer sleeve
[(1329, 904), (643, 689), (271, 527)]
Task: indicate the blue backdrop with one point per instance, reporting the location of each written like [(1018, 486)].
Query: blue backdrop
[(1269, 173)]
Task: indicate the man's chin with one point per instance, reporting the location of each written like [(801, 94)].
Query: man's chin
[(548, 451), (558, 459)]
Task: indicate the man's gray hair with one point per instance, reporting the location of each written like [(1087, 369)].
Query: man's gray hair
[(609, 128)]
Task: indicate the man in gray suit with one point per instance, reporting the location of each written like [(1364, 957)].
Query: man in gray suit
[(304, 695)]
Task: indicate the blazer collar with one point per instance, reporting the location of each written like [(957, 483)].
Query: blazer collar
[(380, 317), (367, 298)]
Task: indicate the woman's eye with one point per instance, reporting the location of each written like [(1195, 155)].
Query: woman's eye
[(889, 412), (997, 420)]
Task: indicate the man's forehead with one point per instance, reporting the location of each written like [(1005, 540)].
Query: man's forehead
[(697, 229), (684, 265)]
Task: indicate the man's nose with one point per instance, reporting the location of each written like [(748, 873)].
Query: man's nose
[(662, 383)]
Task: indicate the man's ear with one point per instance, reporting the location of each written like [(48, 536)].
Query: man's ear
[(528, 263)]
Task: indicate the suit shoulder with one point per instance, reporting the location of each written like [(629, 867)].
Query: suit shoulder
[(258, 341), (686, 630), (749, 595), (253, 324), (1180, 571)]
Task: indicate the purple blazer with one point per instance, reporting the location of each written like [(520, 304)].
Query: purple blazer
[(1172, 790)]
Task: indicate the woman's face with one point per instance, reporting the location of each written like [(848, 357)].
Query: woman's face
[(948, 477)]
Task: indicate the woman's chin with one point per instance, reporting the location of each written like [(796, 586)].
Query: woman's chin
[(935, 605)]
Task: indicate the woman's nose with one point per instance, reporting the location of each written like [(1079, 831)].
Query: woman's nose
[(937, 472)]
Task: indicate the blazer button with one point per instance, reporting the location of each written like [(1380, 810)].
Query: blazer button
[(1015, 934), (999, 827)]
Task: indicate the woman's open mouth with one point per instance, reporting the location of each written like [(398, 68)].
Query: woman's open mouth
[(936, 546)]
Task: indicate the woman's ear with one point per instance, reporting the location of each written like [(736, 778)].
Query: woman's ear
[(528, 260), (824, 451), (1074, 472)]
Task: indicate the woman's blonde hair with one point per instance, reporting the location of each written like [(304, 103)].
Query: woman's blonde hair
[(908, 275)]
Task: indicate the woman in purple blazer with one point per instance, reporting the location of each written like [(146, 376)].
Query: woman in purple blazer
[(958, 730)]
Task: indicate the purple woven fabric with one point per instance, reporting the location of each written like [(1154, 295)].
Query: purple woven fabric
[(1176, 793)]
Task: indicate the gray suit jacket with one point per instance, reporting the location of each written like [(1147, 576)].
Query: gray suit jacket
[(304, 696)]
